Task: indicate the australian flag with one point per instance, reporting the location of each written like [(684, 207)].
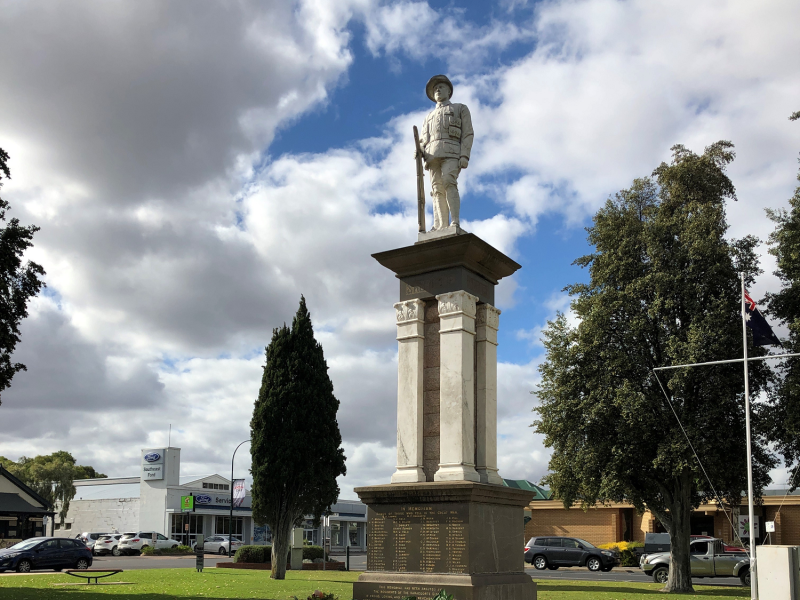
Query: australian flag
[(762, 332)]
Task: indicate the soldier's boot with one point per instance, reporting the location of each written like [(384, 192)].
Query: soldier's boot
[(454, 203), (440, 216)]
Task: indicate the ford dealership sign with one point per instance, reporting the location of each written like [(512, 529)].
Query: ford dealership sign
[(152, 457), (202, 499)]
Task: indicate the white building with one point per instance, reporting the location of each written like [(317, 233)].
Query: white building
[(152, 502)]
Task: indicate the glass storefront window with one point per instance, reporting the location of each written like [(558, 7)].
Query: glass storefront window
[(179, 522), (336, 534), (353, 533), (222, 526)]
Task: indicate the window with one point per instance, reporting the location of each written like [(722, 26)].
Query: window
[(570, 544), (58, 526), (700, 548), (161, 537), (67, 525), (178, 529), (353, 534), (336, 534), (554, 542), (540, 542), (222, 525)]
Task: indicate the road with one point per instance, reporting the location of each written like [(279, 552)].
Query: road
[(359, 563), (619, 574)]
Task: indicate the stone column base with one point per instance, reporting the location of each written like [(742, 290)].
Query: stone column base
[(485, 586), (458, 472), (408, 475), (489, 475)]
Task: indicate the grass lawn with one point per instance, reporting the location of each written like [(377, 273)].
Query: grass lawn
[(164, 584)]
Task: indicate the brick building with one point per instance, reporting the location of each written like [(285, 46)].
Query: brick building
[(621, 522)]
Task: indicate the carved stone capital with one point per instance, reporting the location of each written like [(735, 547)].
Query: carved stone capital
[(457, 303), (410, 310), (488, 316)]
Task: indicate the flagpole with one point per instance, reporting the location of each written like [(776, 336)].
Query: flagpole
[(750, 510)]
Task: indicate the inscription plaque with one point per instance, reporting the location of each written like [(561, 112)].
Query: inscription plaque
[(418, 538)]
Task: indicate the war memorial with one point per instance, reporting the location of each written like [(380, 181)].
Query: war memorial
[(445, 521)]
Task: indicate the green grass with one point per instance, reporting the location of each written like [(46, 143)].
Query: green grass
[(218, 584)]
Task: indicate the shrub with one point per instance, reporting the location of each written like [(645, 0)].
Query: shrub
[(147, 550), (253, 554), (627, 555), (312, 552)]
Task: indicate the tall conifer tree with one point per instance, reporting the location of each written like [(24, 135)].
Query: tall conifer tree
[(296, 444)]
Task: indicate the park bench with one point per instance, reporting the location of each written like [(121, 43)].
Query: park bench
[(89, 574)]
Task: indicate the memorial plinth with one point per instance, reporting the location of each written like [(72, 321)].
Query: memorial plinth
[(446, 521), (463, 537)]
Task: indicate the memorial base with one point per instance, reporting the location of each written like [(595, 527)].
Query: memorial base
[(463, 537)]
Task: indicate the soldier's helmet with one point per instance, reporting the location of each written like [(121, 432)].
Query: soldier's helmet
[(433, 81)]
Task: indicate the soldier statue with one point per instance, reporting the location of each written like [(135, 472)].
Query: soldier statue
[(445, 141)]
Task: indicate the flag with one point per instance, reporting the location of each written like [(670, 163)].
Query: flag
[(238, 492), (762, 332)]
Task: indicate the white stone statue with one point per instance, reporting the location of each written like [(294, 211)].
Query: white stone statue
[(445, 140)]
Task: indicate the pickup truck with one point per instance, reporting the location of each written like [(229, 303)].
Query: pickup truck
[(708, 559)]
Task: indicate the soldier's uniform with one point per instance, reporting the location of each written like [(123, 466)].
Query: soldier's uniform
[(445, 138)]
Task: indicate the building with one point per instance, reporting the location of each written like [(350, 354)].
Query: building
[(23, 512), (152, 502), (618, 522)]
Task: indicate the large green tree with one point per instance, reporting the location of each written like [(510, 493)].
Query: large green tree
[(19, 282), (51, 476), (296, 444), (663, 290), (784, 413)]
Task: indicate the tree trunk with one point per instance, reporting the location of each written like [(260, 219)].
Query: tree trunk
[(280, 548), (680, 509)]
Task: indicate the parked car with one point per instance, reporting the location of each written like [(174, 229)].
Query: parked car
[(107, 544), (132, 543), (660, 542), (708, 559), (88, 538), (218, 544), (554, 552), (45, 553)]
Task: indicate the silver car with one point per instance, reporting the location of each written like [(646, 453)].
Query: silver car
[(108, 544), (89, 538), (218, 544)]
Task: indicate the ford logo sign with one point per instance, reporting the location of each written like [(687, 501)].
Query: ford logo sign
[(152, 456), (202, 499)]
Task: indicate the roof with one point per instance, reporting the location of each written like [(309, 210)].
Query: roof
[(5, 473), (107, 492), (523, 484), (13, 503)]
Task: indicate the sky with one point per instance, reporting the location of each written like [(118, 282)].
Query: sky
[(197, 166)]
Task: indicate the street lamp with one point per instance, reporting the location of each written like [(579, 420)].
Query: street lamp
[(230, 523)]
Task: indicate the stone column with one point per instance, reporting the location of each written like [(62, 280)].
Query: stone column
[(411, 343), (488, 321), (457, 387)]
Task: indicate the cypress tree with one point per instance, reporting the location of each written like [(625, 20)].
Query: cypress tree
[(296, 444)]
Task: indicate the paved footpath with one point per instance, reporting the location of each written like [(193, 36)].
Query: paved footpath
[(618, 574)]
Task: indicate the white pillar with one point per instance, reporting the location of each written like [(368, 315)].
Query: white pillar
[(488, 321), (456, 387), (411, 342)]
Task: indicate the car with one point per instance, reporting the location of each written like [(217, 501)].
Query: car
[(107, 544), (218, 544), (707, 559), (89, 538), (552, 552), (45, 553), (132, 543)]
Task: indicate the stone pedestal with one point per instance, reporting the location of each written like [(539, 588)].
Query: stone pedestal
[(446, 521), (464, 537)]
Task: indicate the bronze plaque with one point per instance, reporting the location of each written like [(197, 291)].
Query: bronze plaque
[(422, 538)]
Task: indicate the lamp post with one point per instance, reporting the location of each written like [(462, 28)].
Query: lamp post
[(230, 523)]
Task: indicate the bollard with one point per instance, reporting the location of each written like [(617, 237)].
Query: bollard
[(347, 558)]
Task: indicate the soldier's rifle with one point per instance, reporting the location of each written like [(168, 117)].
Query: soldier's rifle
[(420, 184)]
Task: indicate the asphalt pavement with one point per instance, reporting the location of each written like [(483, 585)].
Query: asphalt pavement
[(618, 574)]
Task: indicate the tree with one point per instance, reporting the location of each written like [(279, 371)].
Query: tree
[(784, 413), (296, 444), (18, 283), (51, 476), (663, 290)]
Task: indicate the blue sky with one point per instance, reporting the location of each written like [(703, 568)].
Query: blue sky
[(194, 170)]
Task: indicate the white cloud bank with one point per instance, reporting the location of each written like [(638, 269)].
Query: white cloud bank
[(137, 139)]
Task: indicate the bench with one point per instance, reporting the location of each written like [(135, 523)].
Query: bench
[(89, 574)]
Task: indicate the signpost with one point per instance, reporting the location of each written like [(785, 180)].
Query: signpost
[(199, 550)]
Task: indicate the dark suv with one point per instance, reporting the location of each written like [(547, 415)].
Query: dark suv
[(553, 552)]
